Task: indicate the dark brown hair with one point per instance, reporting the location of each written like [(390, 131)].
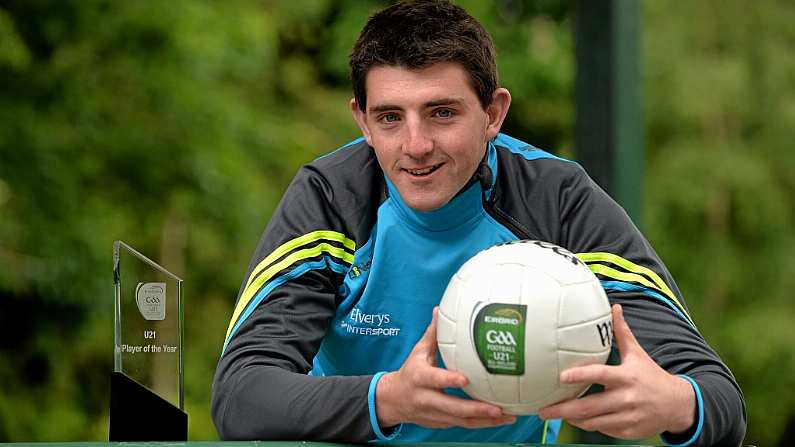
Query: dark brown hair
[(417, 34)]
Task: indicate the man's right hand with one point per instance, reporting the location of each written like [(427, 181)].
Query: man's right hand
[(414, 394)]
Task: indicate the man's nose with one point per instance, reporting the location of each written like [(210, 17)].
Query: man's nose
[(417, 143)]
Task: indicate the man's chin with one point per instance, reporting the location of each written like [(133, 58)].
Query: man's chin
[(425, 204), (423, 197)]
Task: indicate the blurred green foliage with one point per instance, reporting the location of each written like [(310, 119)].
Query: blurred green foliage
[(176, 126), (720, 104)]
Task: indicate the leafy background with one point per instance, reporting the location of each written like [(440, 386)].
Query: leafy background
[(176, 126)]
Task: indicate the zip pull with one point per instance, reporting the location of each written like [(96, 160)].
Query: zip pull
[(485, 177)]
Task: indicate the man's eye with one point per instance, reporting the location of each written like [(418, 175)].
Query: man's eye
[(444, 113), (390, 118)]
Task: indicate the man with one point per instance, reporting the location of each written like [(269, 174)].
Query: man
[(333, 333)]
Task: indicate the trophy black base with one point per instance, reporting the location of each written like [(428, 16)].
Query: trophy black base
[(138, 414)]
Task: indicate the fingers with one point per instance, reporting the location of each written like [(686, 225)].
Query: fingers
[(432, 377), (450, 410), (463, 408), (618, 425), (638, 393), (584, 408), (424, 372), (447, 422), (479, 422), (606, 375), (416, 394), (623, 334), (427, 344), (602, 423)]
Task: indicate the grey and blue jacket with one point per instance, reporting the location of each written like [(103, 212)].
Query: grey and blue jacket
[(345, 277)]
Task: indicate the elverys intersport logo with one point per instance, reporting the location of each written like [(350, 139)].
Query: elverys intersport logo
[(499, 338)]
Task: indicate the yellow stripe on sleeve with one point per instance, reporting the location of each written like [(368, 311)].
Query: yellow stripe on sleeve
[(632, 277), (635, 274), (297, 242), (255, 283), (628, 265)]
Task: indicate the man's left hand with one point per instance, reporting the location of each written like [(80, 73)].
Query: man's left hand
[(640, 399)]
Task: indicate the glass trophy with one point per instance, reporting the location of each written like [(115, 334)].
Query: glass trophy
[(147, 392)]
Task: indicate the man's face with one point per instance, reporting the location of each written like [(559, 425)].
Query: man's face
[(428, 129)]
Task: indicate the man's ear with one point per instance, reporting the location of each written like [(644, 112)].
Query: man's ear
[(361, 120), (496, 111)]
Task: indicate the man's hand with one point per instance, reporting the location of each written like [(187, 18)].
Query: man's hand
[(640, 398), (414, 393)]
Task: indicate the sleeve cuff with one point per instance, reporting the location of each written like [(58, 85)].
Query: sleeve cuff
[(674, 440), (392, 432)]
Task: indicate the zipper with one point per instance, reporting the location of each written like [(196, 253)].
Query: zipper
[(484, 175), (505, 220)]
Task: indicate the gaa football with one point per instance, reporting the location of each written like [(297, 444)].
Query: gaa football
[(515, 316)]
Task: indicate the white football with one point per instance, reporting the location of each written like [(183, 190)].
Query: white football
[(515, 316)]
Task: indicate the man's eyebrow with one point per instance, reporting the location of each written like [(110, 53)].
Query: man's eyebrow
[(445, 102), (384, 108)]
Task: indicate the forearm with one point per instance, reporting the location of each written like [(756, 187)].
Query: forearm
[(601, 233), (270, 403), (678, 348), (723, 419), (262, 389)]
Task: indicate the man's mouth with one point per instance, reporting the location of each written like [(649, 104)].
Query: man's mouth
[(421, 172)]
